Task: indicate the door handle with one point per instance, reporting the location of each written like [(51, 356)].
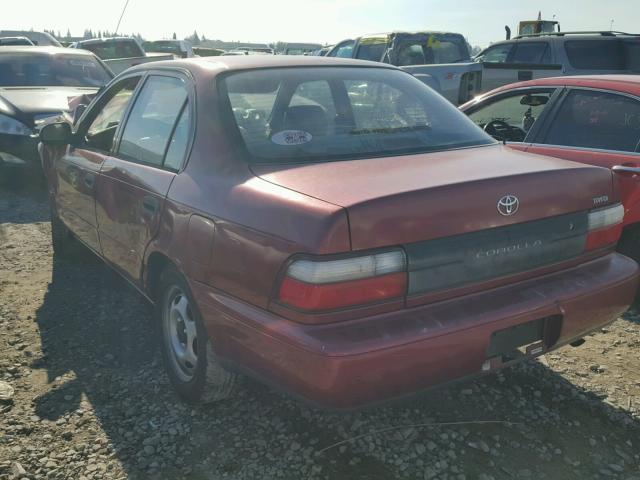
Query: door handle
[(89, 181), (150, 204), (625, 169), (525, 75)]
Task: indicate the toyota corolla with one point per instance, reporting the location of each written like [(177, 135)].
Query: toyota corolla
[(330, 226)]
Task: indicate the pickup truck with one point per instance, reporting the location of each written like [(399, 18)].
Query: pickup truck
[(439, 59), (119, 53)]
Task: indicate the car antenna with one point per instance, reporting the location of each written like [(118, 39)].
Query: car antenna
[(121, 15)]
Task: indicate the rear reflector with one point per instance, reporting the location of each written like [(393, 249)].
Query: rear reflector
[(605, 227), (331, 284)]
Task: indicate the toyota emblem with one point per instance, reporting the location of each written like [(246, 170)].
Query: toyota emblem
[(508, 205)]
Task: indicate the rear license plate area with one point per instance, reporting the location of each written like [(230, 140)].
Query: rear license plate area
[(528, 339)]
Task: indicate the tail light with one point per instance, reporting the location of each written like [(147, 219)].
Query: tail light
[(604, 226), (316, 285)]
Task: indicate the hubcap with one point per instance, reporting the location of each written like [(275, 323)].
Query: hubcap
[(181, 334)]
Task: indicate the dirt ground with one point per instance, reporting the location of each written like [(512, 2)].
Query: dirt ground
[(92, 401)]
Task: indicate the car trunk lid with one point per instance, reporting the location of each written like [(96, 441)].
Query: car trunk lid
[(414, 198)]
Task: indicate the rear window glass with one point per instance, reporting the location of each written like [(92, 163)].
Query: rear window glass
[(596, 54), (112, 49), (430, 49), (329, 113)]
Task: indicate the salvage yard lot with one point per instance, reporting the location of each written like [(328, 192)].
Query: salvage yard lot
[(92, 400)]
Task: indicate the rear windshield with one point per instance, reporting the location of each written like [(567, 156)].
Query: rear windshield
[(332, 113), (163, 47), (33, 69), (112, 49), (597, 54)]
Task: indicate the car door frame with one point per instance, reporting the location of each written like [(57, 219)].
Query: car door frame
[(92, 171), (553, 113), (540, 121), (117, 159)]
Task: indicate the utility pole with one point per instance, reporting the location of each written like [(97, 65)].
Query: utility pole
[(121, 15), (611, 26)]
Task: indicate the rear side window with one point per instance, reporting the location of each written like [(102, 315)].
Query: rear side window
[(596, 54), (592, 119), (150, 125), (531, 52)]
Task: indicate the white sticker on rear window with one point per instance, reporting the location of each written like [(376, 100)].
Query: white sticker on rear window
[(291, 137)]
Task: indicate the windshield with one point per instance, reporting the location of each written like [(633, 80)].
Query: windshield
[(31, 69), (163, 47), (333, 113), (112, 49)]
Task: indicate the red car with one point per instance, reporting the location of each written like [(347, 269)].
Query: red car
[(331, 226), (589, 119)]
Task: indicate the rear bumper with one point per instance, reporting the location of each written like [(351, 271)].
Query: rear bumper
[(352, 363)]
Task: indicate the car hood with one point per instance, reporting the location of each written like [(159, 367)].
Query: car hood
[(404, 199), (25, 103)]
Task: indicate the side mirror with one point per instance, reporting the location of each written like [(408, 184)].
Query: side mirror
[(56, 134), (77, 113)]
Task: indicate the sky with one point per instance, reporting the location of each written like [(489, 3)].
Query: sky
[(320, 21)]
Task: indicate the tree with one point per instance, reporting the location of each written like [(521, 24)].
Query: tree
[(68, 33), (175, 37), (194, 39)]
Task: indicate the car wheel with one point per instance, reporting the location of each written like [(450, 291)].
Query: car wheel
[(61, 237), (629, 243), (188, 355)]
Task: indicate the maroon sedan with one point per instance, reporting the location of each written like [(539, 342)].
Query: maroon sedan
[(333, 227)]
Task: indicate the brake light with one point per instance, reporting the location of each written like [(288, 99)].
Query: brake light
[(604, 226), (316, 285)]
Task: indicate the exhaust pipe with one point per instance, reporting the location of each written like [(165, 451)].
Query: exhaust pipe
[(508, 32)]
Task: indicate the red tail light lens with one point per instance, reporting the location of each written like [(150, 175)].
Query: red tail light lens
[(605, 227), (316, 285)]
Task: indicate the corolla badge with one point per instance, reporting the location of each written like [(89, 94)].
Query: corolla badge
[(508, 205)]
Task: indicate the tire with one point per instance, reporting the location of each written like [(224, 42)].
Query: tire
[(61, 238), (189, 358), (629, 243)]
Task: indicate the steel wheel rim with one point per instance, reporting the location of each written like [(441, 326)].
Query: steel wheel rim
[(181, 334)]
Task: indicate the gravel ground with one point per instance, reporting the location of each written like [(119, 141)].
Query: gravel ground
[(91, 400)]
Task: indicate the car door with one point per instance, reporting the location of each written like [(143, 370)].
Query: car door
[(134, 182), (513, 116), (517, 62), (600, 128), (495, 70), (76, 171)]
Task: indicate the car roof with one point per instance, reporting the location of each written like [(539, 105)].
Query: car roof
[(561, 36), (219, 64), (620, 83), (91, 41), (43, 50)]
